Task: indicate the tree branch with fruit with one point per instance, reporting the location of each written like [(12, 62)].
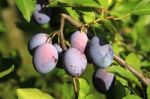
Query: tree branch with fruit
[(84, 47)]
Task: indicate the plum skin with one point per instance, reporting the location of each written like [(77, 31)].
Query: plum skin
[(74, 61), (36, 40), (41, 18), (100, 52), (103, 81), (57, 46), (45, 58), (42, 15), (79, 40)]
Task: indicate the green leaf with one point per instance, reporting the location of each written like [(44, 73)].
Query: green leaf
[(68, 91), (131, 97), (87, 3), (103, 3), (145, 63), (6, 72), (117, 93), (133, 60), (143, 8), (148, 92), (84, 88), (73, 13), (110, 26), (124, 73), (26, 7), (88, 17), (32, 93), (123, 8), (74, 3), (93, 96)]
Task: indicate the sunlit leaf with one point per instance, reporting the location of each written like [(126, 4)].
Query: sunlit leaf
[(92, 96), (131, 97), (73, 13), (26, 7), (148, 92), (143, 8), (68, 91), (88, 17), (32, 93), (133, 60), (75, 3), (84, 88), (103, 3)]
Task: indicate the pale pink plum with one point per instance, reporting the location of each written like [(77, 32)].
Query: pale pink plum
[(45, 58), (79, 40)]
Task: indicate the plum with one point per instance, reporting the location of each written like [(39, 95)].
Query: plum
[(41, 18), (59, 49), (42, 15), (45, 58), (79, 40), (103, 81), (74, 61), (100, 52), (36, 40), (38, 7)]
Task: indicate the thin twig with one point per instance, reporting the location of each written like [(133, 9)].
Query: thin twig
[(139, 75), (119, 18), (75, 23), (62, 39), (75, 86)]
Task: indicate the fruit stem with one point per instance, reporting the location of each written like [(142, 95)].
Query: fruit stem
[(139, 75), (62, 39), (75, 86)]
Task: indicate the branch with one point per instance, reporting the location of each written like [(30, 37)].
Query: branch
[(75, 23), (62, 39), (139, 75)]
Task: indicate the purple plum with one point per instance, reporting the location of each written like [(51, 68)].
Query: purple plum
[(45, 58), (74, 61)]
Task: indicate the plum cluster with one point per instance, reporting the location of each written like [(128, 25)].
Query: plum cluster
[(74, 59), (45, 55)]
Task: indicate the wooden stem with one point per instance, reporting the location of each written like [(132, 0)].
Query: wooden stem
[(139, 75)]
